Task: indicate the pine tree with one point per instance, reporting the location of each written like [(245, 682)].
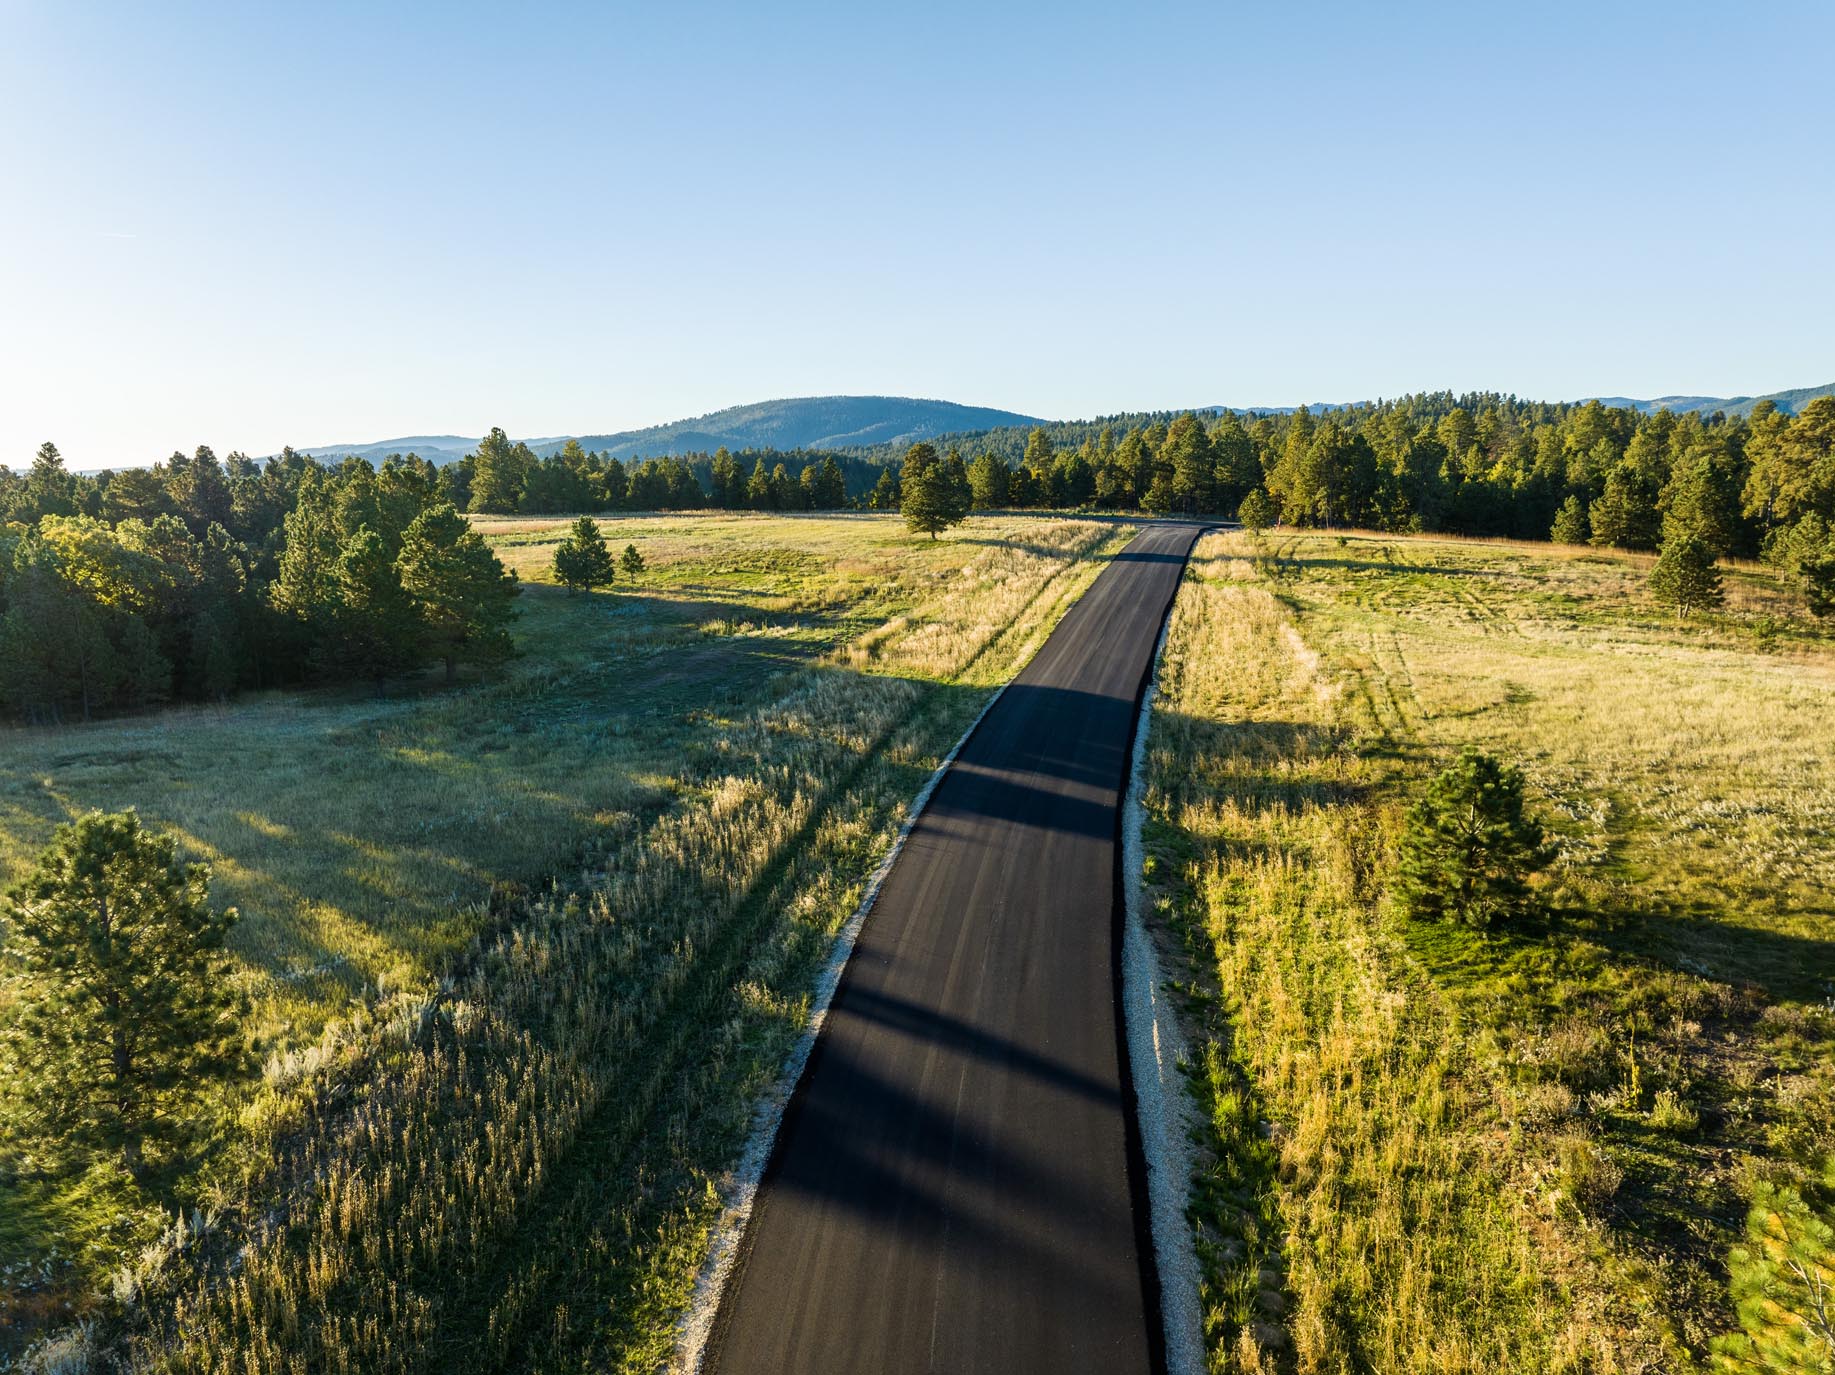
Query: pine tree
[(987, 477), (1625, 516), (727, 479), (927, 498), (499, 471), (1783, 1282), (1039, 453), (125, 1012), (464, 595), (1187, 452), (1702, 497), (1816, 576), (1685, 576), (1257, 512), (1467, 848), (831, 486), (50, 489), (376, 631), (632, 562), (582, 560), (1570, 525), (758, 492), (958, 492)]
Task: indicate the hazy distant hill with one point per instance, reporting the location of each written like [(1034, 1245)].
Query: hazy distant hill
[(1790, 402), (803, 422), (441, 448)]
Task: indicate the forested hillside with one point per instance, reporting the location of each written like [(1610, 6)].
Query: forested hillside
[(803, 422), (791, 423)]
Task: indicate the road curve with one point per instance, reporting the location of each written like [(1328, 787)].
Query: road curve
[(957, 1185)]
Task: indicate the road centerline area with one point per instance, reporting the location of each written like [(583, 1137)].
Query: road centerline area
[(956, 1186)]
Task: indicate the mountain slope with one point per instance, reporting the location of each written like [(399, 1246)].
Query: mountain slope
[(798, 422), (803, 422)]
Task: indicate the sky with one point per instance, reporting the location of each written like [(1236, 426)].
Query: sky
[(253, 225)]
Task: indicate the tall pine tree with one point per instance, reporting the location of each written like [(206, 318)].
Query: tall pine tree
[(465, 596), (125, 1011)]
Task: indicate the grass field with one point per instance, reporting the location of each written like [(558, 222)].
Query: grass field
[(1441, 1151), (524, 953)]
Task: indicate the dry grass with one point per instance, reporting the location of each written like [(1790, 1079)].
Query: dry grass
[(1438, 1151), (503, 1138)]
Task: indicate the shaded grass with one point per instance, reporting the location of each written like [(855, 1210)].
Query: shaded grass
[(1434, 1150), (500, 1151)]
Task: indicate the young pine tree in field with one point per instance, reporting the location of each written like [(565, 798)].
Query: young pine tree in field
[(1571, 523), (582, 560), (928, 499), (1467, 848), (1685, 576), (465, 596), (123, 1008), (1257, 512), (1783, 1282), (632, 562)]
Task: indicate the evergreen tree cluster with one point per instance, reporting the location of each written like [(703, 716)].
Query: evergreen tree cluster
[(196, 577), (502, 477)]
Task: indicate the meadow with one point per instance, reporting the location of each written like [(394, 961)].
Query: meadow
[(524, 954), (1439, 1150)]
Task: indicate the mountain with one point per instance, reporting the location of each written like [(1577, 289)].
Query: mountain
[(802, 422), (440, 448), (1790, 402)]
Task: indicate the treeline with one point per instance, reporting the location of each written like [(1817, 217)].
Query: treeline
[(503, 478), (1762, 486), (194, 578)]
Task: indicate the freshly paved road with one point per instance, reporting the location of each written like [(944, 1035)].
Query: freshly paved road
[(956, 1186)]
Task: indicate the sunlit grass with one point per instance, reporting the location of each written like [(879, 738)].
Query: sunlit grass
[(1440, 1151)]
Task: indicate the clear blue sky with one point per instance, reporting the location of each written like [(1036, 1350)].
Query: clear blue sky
[(254, 224)]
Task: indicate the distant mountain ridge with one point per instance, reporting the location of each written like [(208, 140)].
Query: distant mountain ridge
[(1790, 402), (800, 422), (888, 423)]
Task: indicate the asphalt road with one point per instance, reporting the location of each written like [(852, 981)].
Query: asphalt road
[(957, 1186)]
